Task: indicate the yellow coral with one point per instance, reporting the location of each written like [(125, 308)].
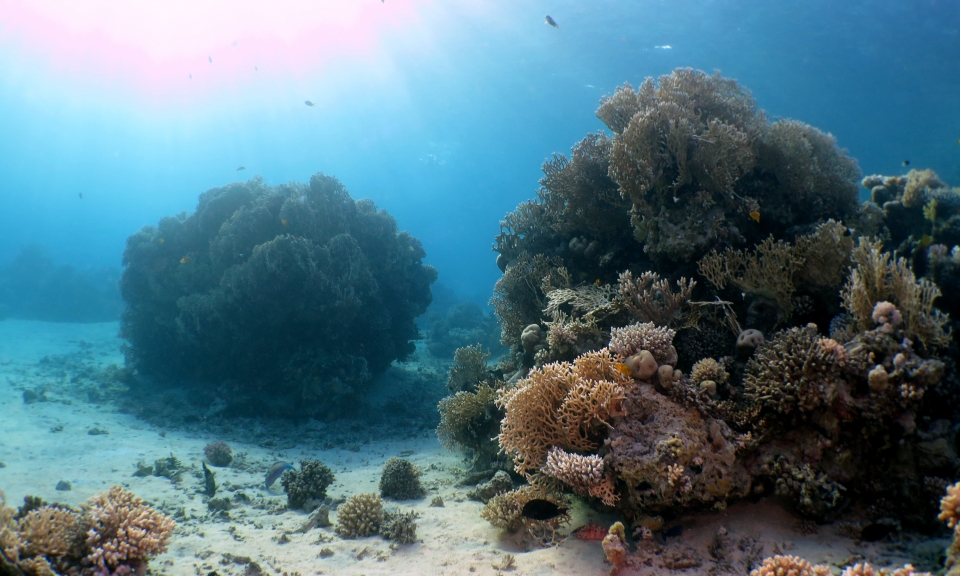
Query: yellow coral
[(560, 404), (789, 566), (950, 506)]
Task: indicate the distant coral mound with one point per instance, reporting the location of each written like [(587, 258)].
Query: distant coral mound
[(296, 295)]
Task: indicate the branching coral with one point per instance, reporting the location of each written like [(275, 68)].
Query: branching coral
[(469, 421), (517, 296), (401, 480), (766, 271), (360, 516), (582, 473), (308, 483), (123, 532), (560, 404), (469, 369), (789, 566), (629, 340), (651, 299), (504, 510), (879, 277)]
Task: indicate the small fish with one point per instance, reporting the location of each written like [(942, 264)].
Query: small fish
[(596, 282), (958, 140), (191, 76), (591, 532), (81, 195), (309, 103), (539, 509), (283, 222), (906, 162), (234, 44), (160, 241), (255, 69), (925, 241), (589, 86), (623, 369), (275, 472), (210, 58), (551, 22), (755, 216), (185, 260), (241, 168)]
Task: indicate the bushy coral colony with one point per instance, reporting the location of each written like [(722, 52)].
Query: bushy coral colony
[(698, 310), (290, 298)]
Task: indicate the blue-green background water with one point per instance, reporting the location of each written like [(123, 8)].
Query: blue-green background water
[(453, 135)]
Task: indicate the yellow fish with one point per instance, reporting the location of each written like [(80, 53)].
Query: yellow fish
[(925, 241), (283, 221), (597, 283), (755, 216), (623, 369), (160, 241), (185, 260)]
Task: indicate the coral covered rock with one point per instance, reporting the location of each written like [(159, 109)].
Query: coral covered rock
[(296, 294), (401, 480), (308, 483)]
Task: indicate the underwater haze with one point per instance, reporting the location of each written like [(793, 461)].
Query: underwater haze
[(442, 113)]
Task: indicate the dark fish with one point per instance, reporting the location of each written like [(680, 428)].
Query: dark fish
[(538, 509), (906, 162), (81, 195), (276, 471), (552, 22), (241, 168), (673, 531), (874, 532), (210, 58), (309, 103)]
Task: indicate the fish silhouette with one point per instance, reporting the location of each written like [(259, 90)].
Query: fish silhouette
[(551, 22)]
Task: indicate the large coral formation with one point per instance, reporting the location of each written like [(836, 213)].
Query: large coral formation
[(294, 295), (115, 533), (821, 363)]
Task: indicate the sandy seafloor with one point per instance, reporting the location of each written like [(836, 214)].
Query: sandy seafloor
[(45, 442)]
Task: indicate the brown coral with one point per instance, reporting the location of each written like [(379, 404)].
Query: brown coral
[(878, 277), (950, 506), (651, 299), (582, 473), (124, 532), (630, 340), (560, 404)]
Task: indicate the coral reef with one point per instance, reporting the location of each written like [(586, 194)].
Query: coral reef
[(360, 516), (469, 369), (462, 324), (401, 527), (789, 566), (292, 296), (504, 510), (400, 480), (218, 453), (307, 484)]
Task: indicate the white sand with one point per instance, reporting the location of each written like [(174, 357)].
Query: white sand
[(454, 539)]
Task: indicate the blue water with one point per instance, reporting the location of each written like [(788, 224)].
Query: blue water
[(461, 140)]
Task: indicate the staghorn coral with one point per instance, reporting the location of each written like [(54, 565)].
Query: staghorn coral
[(879, 277), (400, 480), (650, 299), (630, 340), (360, 516), (307, 484), (218, 453), (560, 404), (123, 532), (789, 566)]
